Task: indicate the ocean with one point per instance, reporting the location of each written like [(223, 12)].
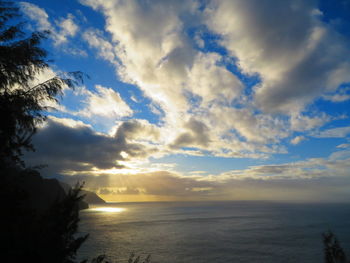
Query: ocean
[(214, 232)]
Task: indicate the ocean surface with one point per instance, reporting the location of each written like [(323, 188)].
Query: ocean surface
[(214, 231)]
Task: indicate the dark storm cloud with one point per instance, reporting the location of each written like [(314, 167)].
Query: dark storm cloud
[(65, 144), (197, 134)]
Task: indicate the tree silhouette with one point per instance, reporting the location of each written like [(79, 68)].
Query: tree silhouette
[(21, 103), (29, 234), (333, 253), (61, 221)]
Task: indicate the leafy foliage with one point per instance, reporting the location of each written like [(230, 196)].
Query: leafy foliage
[(21, 102), (333, 253), (30, 234), (132, 259), (61, 221)]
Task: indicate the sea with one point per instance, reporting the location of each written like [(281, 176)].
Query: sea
[(213, 232)]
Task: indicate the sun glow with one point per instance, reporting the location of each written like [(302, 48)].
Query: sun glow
[(108, 209)]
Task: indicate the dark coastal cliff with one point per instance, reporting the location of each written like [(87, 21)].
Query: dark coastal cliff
[(89, 196), (92, 198), (40, 193), (33, 191)]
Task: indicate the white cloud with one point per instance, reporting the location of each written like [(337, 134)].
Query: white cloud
[(297, 57), (301, 122), (342, 94), (151, 46), (296, 140), (337, 164), (337, 97), (105, 102), (37, 14), (253, 127), (61, 30), (75, 51), (105, 48), (67, 28), (286, 43), (343, 145), (149, 49), (339, 132), (212, 82)]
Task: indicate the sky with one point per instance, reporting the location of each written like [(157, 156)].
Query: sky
[(198, 99)]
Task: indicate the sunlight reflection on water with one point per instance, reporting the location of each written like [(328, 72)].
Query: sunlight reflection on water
[(107, 209), (197, 232)]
